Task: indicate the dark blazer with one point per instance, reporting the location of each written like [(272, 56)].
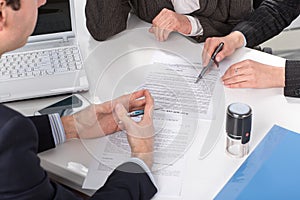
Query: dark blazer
[(21, 176), (292, 78), (107, 18), (268, 20)]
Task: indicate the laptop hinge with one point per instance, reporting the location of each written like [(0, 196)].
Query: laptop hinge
[(65, 39)]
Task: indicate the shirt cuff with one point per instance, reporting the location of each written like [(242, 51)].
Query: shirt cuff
[(143, 165), (197, 28), (57, 128)]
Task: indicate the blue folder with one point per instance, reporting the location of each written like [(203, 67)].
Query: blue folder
[(272, 170)]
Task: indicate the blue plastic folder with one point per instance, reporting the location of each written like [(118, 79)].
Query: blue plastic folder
[(272, 170)]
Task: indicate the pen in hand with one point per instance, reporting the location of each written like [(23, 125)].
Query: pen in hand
[(135, 113), (211, 62)]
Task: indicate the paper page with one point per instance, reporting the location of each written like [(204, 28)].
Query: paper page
[(179, 104), (169, 57), (174, 89), (174, 133)]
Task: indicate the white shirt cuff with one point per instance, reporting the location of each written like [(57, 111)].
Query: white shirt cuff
[(57, 128), (197, 28), (143, 165)]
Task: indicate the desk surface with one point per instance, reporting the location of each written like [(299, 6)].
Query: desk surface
[(203, 178)]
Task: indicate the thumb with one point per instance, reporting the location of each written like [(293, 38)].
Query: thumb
[(121, 114)]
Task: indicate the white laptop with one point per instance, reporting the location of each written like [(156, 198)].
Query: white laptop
[(50, 63)]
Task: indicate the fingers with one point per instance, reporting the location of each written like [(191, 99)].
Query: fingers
[(133, 101), (231, 42), (163, 24), (148, 111), (137, 94), (147, 103), (234, 74), (137, 100), (240, 75), (125, 122), (161, 34), (237, 79), (209, 46), (240, 68), (151, 30)]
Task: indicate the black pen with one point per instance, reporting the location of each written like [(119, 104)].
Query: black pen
[(211, 62)]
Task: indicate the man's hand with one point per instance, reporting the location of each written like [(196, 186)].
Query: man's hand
[(252, 74), (168, 21), (98, 120), (139, 134), (232, 42)]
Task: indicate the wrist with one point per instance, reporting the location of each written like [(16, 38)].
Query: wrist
[(279, 73), (237, 38), (186, 27), (69, 127), (146, 157)]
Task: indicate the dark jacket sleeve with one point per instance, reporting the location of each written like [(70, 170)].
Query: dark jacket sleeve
[(292, 79), (268, 20), (45, 136), (128, 182), (106, 18), (21, 174), (218, 18)]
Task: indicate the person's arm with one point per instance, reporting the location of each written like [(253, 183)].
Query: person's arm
[(133, 179), (213, 28), (50, 131), (292, 79), (20, 163), (94, 121), (218, 18), (127, 182), (106, 18), (268, 20), (196, 27), (168, 21), (253, 74)]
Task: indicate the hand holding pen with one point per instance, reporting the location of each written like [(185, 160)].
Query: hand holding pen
[(140, 135), (211, 62), (232, 42), (136, 113)]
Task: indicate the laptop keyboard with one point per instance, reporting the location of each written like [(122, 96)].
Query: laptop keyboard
[(40, 63)]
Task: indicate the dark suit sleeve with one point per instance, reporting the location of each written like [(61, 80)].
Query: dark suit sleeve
[(128, 182), (20, 171), (218, 18), (292, 79), (268, 20), (22, 177), (212, 28), (45, 136), (105, 18)]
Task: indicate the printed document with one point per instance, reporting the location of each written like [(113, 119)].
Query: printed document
[(173, 136), (179, 104), (174, 90)]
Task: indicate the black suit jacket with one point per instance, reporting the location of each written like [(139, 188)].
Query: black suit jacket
[(268, 20), (21, 176)]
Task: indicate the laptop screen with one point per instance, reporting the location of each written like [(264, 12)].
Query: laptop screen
[(53, 17)]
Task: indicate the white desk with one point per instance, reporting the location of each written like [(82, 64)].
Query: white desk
[(203, 178)]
